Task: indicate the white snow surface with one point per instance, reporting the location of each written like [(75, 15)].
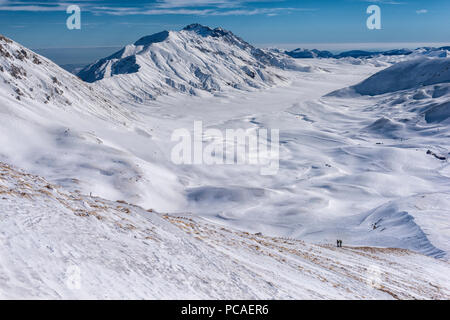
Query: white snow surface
[(406, 75), (56, 244), (361, 168), (49, 122)]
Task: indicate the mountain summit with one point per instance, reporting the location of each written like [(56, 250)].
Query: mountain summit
[(195, 60)]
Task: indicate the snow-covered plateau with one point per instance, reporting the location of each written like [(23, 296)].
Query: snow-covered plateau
[(92, 205)]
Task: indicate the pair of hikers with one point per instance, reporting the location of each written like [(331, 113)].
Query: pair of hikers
[(339, 243)]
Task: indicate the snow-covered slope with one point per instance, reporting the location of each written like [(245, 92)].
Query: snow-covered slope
[(419, 86), (406, 111), (194, 60), (341, 158), (28, 80), (407, 75), (56, 244), (51, 123)]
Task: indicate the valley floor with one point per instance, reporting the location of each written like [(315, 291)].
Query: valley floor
[(354, 168)]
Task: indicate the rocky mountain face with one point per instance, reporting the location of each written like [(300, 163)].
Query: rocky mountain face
[(30, 79)]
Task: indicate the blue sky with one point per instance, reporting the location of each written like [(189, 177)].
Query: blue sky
[(42, 24)]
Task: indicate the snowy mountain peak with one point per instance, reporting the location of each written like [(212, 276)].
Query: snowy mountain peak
[(205, 31), (195, 60), (154, 38), (196, 27)]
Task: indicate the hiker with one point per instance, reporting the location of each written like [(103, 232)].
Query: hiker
[(337, 243), (340, 243)]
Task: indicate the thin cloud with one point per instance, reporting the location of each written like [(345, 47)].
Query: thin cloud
[(37, 6), (32, 8), (385, 2), (422, 11), (161, 7), (192, 3), (200, 12), (208, 3)]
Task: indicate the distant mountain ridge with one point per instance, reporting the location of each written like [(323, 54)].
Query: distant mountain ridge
[(306, 53), (314, 53)]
